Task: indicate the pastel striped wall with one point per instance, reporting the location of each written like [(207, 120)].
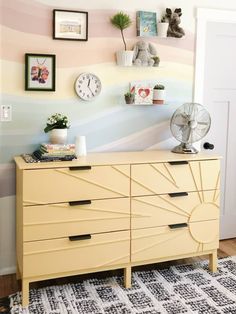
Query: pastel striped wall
[(109, 124)]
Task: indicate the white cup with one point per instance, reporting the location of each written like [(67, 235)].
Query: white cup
[(80, 146)]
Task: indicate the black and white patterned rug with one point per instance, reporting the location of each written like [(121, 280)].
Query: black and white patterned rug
[(178, 289)]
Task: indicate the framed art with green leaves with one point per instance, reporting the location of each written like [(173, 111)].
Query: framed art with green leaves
[(40, 72)]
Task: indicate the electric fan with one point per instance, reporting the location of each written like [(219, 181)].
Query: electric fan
[(189, 124)]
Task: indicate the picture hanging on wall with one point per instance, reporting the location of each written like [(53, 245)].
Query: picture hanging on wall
[(146, 24), (40, 72), (70, 25)]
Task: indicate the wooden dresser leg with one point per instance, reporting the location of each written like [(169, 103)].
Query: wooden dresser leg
[(127, 277), (25, 292), (213, 261)]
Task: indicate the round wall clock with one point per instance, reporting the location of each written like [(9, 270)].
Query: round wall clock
[(88, 86)]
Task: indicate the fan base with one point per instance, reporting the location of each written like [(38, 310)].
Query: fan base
[(184, 149)]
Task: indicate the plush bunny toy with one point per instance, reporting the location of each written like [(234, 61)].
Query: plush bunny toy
[(143, 54), (174, 20)]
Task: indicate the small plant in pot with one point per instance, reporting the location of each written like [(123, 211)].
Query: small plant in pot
[(129, 98), (159, 94), (162, 27), (156, 61), (57, 126), (122, 21)]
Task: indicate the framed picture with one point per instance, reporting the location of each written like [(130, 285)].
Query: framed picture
[(40, 72), (70, 25), (143, 93), (146, 24)]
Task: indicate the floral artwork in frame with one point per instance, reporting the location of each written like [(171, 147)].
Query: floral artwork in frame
[(40, 72), (70, 25)]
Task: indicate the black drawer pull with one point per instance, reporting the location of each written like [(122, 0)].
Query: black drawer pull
[(178, 194), (84, 202), (181, 162), (80, 168), (80, 237), (177, 226)]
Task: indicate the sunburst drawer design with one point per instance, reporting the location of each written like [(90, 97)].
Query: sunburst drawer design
[(63, 255), (78, 183), (161, 178), (59, 220), (164, 242), (161, 210)]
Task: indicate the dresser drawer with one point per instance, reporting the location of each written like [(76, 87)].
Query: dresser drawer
[(161, 210), (164, 242), (62, 255), (78, 183), (60, 220), (161, 178)]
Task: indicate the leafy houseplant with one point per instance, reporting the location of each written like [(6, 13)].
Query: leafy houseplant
[(156, 61), (57, 125), (159, 94), (122, 21), (129, 98), (162, 27)]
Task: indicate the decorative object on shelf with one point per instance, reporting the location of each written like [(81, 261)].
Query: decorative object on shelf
[(143, 95), (40, 72), (159, 94), (70, 25), (162, 27), (174, 20), (146, 24), (88, 86), (129, 98), (57, 125), (80, 146), (156, 61), (122, 21), (144, 53), (189, 124)]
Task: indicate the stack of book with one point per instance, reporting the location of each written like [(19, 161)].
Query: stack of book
[(56, 151)]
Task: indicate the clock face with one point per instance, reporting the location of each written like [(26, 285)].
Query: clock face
[(88, 86)]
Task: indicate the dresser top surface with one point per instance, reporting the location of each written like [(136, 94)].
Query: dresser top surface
[(117, 158)]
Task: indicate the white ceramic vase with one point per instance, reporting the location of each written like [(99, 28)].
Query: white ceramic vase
[(162, 29), (124, 57), (80, 146), (58, 136), (159, 96)]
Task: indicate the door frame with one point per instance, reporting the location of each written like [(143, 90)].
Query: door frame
[(204, 16)]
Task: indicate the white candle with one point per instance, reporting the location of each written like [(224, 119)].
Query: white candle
[(80, 146)]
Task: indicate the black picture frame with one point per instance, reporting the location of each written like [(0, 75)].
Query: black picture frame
[(64, 30), (40, 72)]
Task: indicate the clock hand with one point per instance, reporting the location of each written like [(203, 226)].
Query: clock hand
[(90, 90), (88, 82)]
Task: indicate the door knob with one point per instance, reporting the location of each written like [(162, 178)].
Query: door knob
[(208, 145)]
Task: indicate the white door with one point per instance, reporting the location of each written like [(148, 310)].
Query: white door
[(218, 94)]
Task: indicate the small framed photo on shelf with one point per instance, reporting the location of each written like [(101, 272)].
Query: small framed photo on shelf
[(70, 25), (143, 93), (146, 24), (40, 72)]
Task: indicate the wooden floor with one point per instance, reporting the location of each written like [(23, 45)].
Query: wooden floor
[(9, 284)]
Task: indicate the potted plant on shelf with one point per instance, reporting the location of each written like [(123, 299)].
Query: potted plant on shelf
[(159, 94), (122, 21), (57, 125), (129, 98), (162, 27), (156, 61)]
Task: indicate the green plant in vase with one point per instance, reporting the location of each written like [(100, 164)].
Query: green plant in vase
[(122, 21)]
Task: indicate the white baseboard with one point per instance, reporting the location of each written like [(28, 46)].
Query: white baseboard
[(8, 270)]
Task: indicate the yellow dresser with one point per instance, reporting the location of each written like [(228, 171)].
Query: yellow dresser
[(114, 210)]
